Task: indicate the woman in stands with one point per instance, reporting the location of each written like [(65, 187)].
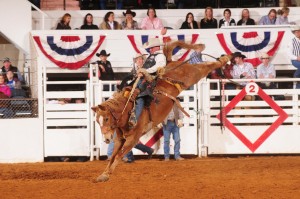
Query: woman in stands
[(282, 17), (88, 23), (4, 88), (129, 23), (64, 23), (227, 20), (109, 22), (152, 22), (189, 22), (208, 21), (269, 19), (245, 20)]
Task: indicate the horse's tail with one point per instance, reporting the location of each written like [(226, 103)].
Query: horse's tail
[(170, 46)]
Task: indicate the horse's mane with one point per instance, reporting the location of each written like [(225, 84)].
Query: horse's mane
[(170, 46), (116, 102)]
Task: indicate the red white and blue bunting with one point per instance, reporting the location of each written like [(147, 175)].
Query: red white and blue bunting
[(251, 44), (71, 52), (179, 54)]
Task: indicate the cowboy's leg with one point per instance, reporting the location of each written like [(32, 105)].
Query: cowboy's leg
[(176, 138), (167, 132), (144, 148), (139, 107), (129, 156)]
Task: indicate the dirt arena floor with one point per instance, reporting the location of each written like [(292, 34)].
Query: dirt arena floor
[(218, 177)]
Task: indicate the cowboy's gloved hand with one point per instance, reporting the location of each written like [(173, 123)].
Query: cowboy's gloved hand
[(180, 123)]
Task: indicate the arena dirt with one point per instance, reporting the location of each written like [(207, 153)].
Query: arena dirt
[(242, 177)]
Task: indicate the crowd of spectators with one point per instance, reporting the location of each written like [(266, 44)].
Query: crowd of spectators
[(152, 22)]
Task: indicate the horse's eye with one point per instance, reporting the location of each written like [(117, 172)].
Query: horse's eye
[(106, 119)]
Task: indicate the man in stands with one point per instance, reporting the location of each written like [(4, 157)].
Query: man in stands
[(294, 51), (8, 67)]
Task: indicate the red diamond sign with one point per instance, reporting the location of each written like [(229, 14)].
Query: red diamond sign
[(253, 89)]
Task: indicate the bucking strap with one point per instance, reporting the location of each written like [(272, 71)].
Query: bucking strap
[(174, 99)]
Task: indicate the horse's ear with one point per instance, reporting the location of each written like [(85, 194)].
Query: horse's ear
[(102, 108), (94, 108)]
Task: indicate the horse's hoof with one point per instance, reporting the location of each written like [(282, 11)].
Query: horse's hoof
[(102, 178)]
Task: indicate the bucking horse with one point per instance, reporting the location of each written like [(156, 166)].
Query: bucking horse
[(171, 80)]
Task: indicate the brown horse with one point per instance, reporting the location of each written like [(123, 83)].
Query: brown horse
[(176, 77)]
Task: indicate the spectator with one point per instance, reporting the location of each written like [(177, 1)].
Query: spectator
[(245, 19), (8, 67), (102, 4), (282, 17), (129, 23), (64, 23), (266, 70), (171, 124), (294, 51), (88, 23), (129, 158), (196, 56), (227, 20), (152, 22), (189, 22), (109, 22), (269, 19), (18, 92), (208, 22), (4, 94), (105, 68), (242, 70), (10, 80)]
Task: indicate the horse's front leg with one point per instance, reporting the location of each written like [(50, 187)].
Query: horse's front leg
[(116, 158), (118, 144)]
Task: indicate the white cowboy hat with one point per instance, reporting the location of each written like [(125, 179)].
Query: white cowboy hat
[(294, 28), (265, 56), (152, 42)]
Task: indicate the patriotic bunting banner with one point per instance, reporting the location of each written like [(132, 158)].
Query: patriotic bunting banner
[(70, 52), (179, 54), (251, 44)]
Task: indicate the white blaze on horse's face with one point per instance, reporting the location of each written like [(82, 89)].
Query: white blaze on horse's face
[(100, 121)]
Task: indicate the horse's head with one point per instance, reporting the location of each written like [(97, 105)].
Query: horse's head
[(106, 121)]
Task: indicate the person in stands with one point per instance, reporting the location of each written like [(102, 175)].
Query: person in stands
[(64, 23), (5, 93), (8, 67), (129, 23), (269, 19), (294, 52), (282, 16), (189, 22), (245, 19), (88, 23), (109, 22), (208, 22), (227, 20), (152, 22), (10, 80)]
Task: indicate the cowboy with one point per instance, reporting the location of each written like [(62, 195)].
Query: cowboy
[(8, 67), (129, 23), (105, 68), (155, 60), (242, 70), (266, 70), (294, 51)]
